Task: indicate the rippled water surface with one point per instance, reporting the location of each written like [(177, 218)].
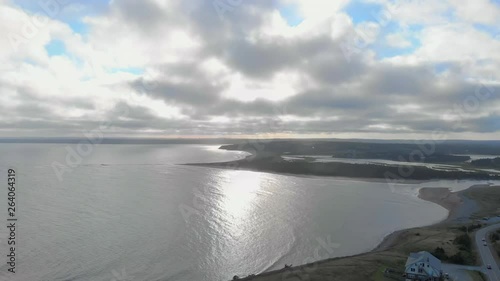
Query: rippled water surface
[(130, 212)]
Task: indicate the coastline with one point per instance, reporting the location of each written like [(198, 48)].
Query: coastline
[(444, 197), (392, 247), (459, 208), (276, 164)]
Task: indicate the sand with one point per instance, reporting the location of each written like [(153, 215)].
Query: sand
[(452, 201)]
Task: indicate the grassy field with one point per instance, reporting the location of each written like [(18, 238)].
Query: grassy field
[(496, 244), (359, 268), (487, 198), (477, 276)]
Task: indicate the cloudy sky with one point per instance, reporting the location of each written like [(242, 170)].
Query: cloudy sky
[(238, 68)]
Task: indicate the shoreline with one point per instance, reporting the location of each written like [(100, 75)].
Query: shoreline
[(402, 181), (459, 208), (442, 196), (393, 249)]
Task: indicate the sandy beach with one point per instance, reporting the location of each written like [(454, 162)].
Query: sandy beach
[(452, 201)]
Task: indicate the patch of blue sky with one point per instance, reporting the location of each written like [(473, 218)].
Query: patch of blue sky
[(55, 48), (409, 33), (70, 12), (55, 6), (390, 27), (28, 5), (361, 11), (81, 8), (78, 26), (131, 70), (450, 14), (491, 30), (291, 14)]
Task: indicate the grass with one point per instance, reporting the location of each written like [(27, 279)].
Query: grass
[(477, 276), (357, 268), (496, 253), (379, 276), (487, 198), (430, 238)]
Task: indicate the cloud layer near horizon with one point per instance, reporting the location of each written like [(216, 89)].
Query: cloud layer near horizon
[(171, 68)]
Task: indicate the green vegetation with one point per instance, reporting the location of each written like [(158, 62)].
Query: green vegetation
[(477, 276), (463, 256), (379, 275), (487, 199), (464, 241), (495, 241), (470, 228), (428, 152), (267, 157), (440, 253), (487, 163), (495, 237), (390, 173)]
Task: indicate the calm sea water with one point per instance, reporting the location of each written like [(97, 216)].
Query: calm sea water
[(130, 212)]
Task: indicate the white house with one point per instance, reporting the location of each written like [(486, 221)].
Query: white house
[(422, 266)]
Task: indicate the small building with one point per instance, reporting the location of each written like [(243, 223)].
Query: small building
[(423, 266)]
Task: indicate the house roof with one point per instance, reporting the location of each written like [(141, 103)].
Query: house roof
[(424, 257)]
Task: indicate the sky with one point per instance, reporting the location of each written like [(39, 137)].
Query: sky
[(389, 69)]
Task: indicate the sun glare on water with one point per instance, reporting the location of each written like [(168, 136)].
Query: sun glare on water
[(240, 189)]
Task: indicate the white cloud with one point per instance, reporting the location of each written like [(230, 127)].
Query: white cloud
[(201, 70), (478, 11), (418, 11), (397, 40), (457, 42)]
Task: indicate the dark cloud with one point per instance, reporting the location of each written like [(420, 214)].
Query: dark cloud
[(182, 84), (144, 15), (260, 60)]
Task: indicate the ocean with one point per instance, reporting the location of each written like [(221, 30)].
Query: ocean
[(133, 212)]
